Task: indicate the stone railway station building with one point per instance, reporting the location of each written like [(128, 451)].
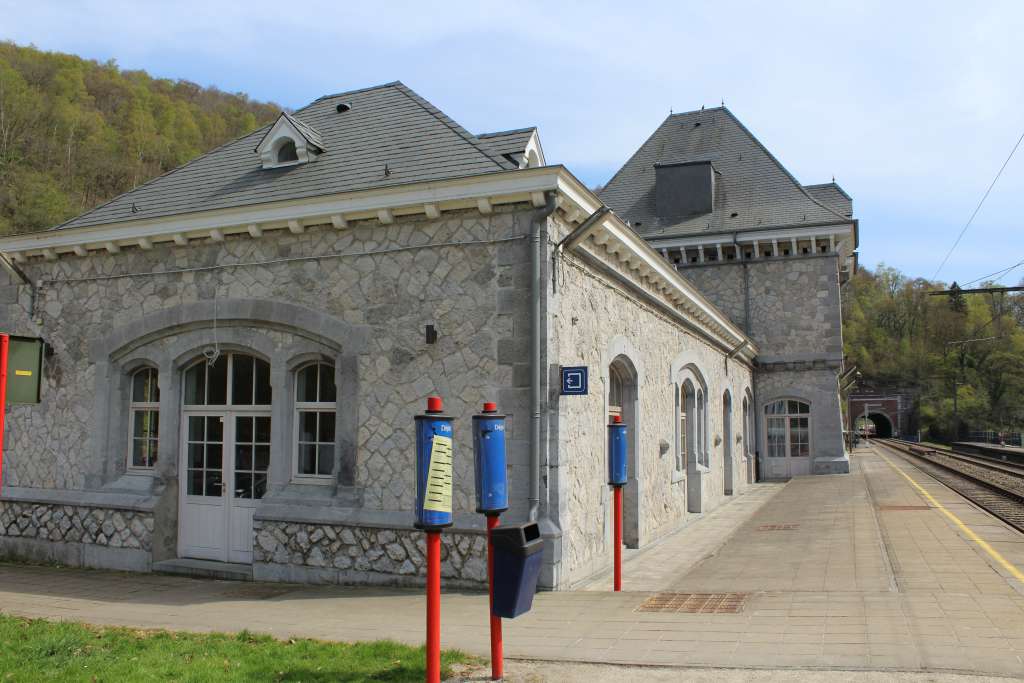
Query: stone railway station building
[(237, 349)]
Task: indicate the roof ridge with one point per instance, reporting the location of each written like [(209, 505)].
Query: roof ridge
[(832, 184), (449, 122), (381, 86), (511, 131), (778, 163)]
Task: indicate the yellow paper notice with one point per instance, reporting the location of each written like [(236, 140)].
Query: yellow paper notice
[(438, 497)]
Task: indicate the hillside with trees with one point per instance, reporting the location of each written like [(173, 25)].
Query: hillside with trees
[(75, 133), (967, 346)]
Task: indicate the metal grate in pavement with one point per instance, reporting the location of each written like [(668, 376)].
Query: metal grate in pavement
[(695, 603), (897, 508), (778, 527)]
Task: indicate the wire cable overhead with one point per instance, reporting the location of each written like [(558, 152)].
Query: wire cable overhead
[(978, 207)]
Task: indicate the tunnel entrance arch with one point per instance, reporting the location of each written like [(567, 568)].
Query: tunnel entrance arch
[(883, 425)]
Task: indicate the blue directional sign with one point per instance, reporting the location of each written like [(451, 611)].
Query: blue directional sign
[(574, 381)]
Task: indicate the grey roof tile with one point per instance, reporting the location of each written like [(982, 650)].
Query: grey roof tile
[(388, 125), (832, 196), (753, 190), (508, 142)]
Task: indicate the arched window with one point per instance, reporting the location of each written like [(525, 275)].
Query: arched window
[(145, 418), (615, 392), (287, 152), (748, 448), (788, 429), (687, 441), (702, 429), (316, 397)]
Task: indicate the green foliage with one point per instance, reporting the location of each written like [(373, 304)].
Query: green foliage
[(39, 650), (973, 345), (75, 133)]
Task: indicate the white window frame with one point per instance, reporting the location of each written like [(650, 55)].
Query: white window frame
[(788, 416), (313, 407), (681, 442), (135, 407)]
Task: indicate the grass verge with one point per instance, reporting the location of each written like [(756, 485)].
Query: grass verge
[(40, 650)]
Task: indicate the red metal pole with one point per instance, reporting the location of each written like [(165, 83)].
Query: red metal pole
[(497, 656), (4, 341), (433, 607), (618, 538)]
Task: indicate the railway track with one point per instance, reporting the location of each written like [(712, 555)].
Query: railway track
[(993, 486)]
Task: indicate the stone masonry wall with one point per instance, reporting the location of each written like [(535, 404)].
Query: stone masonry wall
[(794, 302), (591, 320), (349, 554), (76, 524), (464, 273)]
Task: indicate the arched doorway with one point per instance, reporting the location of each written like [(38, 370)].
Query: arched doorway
[(225, 455), (727, 440), (622, 401)]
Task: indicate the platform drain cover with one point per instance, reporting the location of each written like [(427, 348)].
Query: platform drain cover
[(778, 527), (695, 603), (896, 508)]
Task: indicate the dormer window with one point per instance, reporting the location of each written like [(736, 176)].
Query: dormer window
[(286, 151), (289, 142)]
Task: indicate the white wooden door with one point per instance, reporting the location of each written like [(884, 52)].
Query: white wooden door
[(226, 456), (776, 462), (249, 463), (202, 527)]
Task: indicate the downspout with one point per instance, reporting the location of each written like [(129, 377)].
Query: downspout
[(746, 287), (539, 238)]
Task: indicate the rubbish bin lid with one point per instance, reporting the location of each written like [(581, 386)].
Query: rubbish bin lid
[(522, 539)]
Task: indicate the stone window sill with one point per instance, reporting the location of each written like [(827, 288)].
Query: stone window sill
[(678, 476)]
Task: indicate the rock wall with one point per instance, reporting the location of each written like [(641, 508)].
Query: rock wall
[(351, 554), (76, 524), (794, 301)]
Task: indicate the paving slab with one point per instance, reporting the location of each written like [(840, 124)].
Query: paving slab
[(844, 572)]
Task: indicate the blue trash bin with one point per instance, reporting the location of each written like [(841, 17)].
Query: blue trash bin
[(518, 552)]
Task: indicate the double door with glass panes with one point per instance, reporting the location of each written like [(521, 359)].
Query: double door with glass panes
[(226, 429), (787, 439)]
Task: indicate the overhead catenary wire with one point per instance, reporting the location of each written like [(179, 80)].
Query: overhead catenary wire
[(978, 207), (1001, 273)]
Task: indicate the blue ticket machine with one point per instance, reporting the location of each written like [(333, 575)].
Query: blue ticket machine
[(489, 461), (433, 468), (618, 452)]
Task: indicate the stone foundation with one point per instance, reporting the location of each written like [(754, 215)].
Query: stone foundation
[(325, 553), (77, 524)]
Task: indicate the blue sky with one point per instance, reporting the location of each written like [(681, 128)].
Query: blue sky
[(912, 106)]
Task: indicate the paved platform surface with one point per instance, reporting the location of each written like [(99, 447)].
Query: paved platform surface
[(862, 571)]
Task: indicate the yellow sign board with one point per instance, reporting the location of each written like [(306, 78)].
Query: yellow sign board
[(438, 497)]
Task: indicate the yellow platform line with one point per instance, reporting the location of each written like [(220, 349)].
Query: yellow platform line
[(968, 531)]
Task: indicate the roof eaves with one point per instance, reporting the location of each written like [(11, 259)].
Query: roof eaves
[(514, 131)]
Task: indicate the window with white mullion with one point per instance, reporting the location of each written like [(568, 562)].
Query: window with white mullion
[(315, 417), (145, 419)]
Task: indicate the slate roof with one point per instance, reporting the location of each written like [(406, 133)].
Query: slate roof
[(832, 196), (750, 182), (388, 125), (508, 143)]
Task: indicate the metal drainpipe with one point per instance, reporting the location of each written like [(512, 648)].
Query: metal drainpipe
[(539, 238)]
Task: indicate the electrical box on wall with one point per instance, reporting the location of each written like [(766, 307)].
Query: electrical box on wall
[(24, 370)]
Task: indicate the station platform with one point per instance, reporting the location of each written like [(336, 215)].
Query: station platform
[(883, 569)]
